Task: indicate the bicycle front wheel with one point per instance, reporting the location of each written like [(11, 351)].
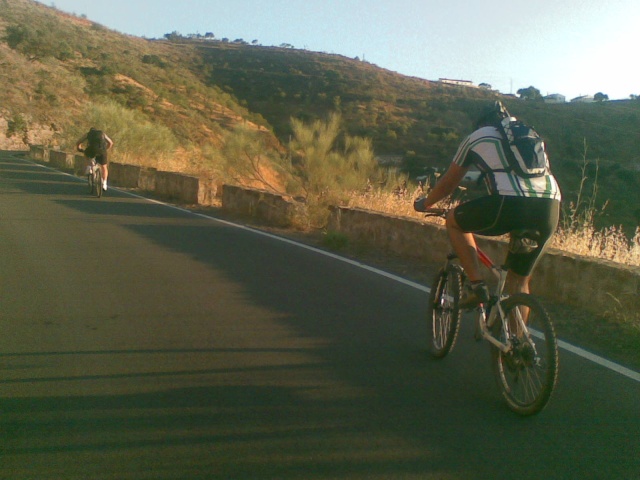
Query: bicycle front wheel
[(443, 313), (528, 373)]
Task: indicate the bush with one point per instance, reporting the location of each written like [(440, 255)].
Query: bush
[(18, 126), (246, 159), (326, 165)]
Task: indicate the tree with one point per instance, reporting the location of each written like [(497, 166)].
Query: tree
[(530, 93), (173, 36), (18, 126), (247, 158), (601, 97), (328, 164)]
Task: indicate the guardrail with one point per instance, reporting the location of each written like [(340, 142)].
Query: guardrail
[(596, 285)]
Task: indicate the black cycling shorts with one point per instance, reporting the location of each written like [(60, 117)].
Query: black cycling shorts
[(100, 157), (497, 215)]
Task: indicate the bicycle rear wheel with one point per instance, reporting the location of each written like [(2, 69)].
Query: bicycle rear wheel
[(443, 312), (90, 183), (527, 374), (97, 180)]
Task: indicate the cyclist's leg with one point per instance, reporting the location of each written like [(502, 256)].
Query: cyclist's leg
[(104, 170), (464, 244), (534, 214), (476, 216), (89, 163), (517, 283)]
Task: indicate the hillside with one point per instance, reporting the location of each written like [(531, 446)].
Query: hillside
[(59, 70), (422, 121)]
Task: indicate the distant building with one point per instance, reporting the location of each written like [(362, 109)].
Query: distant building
[(555, 98), (460, 83), (583, 99)]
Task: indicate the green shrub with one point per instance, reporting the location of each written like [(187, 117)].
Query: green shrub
[(18, 126), (335, 240)]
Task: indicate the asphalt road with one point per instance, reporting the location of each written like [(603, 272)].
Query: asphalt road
[(139, 341)]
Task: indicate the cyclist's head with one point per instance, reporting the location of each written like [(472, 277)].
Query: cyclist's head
[(492, 114)]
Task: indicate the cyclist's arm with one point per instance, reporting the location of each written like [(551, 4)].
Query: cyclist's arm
[(81, 141), (446, 185), (109, 141)]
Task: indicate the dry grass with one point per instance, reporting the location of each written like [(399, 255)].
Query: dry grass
[(609, 243)]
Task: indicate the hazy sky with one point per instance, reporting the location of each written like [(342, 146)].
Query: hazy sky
[(572, 47)]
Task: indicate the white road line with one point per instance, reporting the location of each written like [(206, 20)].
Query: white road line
[(603, 362)]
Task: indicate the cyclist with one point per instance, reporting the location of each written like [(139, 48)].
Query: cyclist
[(513, 204), (98, 143)]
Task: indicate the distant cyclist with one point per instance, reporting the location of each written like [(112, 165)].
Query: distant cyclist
[(513, 204), (98, 144)]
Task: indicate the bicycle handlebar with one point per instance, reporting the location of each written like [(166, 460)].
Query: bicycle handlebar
[(436, 212)]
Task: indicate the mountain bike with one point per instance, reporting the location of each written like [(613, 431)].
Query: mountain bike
[(94, 177), (522, 339)]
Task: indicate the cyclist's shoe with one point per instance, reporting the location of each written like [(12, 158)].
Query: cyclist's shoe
[(104, 185), (473, 295)]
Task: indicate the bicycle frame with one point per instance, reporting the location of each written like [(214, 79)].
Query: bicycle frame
[(487, 314), (484, 323)]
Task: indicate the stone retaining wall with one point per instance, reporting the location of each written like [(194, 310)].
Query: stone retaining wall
[(596, 285), (260, 204)]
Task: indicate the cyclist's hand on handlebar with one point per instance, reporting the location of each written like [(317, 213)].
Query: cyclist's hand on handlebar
[(420, 205)]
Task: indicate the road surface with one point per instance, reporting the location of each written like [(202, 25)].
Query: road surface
[(140, 341)]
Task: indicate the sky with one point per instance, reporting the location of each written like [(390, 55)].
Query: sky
[(570, 47)]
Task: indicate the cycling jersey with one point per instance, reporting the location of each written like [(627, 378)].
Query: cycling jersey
[(483, 148)]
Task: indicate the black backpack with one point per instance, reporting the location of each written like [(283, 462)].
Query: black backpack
[(524, 148), (97, 141)]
